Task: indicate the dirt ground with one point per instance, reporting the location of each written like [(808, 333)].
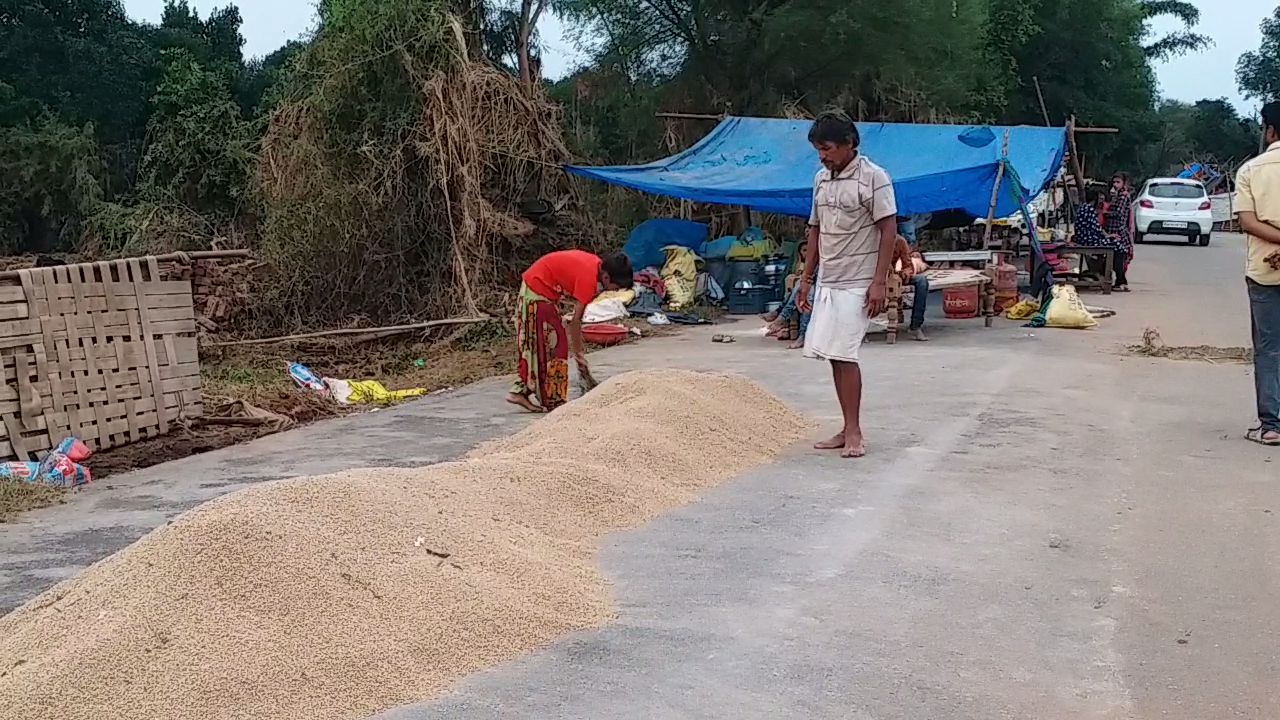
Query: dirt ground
[(258, 375)]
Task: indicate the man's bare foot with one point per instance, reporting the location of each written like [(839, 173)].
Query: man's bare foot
[(919, 336), (854, 451), (797, 345), (835, 443), (775, 327), (524, 402), (769, 317)]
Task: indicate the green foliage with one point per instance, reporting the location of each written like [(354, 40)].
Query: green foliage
[(1176, 43), (199, 149), (50, 178), (378, 163), (1206, 131), (82, 60), (1258, 72)]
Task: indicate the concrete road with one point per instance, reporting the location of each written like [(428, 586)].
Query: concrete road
[(1045, 528)]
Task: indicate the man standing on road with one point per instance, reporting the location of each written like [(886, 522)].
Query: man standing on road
[(853, 226), (1258, 207)]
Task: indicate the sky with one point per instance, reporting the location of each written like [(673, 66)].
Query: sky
[(1233, 25)]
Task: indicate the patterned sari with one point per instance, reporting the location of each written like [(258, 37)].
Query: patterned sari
[(543, 349)]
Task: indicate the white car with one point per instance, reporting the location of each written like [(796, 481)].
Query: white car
[(1173, 206)]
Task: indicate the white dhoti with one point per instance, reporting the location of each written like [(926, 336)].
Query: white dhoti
[(837, 325)]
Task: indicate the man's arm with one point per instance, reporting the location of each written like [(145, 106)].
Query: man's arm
[(884, 208), (879, 290), (1250, 223)]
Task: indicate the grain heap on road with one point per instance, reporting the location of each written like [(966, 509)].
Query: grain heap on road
[(344, 595)]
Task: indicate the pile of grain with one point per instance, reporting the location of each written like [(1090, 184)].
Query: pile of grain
[(340, 596)]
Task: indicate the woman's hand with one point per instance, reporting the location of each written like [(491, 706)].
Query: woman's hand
[(584, 372)]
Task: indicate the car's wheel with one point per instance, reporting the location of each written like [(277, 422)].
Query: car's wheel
[(1204, 240), (1139, 237), (1192, 240)]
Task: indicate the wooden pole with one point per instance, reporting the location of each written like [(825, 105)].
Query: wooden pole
[(1076, 168), (995, 192), (376, 331), (688, 116), (1053, 186), (168, 257), (1045, 111)]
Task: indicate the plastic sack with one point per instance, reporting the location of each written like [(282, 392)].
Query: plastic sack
[(627, 296), (1023, 309), (60, 468), (1067, 311), (751, 245), (680, 275), (646, 243), (368, 392), (305, 378), (604, 310)]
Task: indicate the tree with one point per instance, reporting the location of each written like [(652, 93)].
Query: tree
[(1258, 72), (1176, 43), (530, 12), (50, 180), (1206, 131), (915, 59), (83, 61), (198, 149)]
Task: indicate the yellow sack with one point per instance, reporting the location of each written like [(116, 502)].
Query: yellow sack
[(375, 393), (680, 274), (1023, 310), (1066, 310), (752, 245), (626, 296)]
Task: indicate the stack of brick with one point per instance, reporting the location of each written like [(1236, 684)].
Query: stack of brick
[(219, 289)]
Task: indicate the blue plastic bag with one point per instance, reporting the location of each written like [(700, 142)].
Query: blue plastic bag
[(644, 246)]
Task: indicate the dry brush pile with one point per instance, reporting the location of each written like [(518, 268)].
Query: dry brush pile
[(395, 168)]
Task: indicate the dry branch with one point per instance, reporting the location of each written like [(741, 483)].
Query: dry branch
[(372, 332)]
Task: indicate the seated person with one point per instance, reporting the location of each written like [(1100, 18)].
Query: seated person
[(1089, 233), (780, 321), (910, 266)]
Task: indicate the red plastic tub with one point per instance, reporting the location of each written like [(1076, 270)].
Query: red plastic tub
[(605, 334)]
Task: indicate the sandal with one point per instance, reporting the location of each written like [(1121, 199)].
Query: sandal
[(723, 339), (1259, 435)]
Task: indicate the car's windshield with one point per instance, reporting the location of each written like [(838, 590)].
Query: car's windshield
[(1176, 190)]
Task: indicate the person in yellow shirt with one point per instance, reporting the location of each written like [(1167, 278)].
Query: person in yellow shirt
[(1258, 207)]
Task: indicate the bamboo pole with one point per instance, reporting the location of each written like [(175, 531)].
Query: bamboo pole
[(1076, 169), (688, 116), (995, 192), (1039, 94), (375, 331), (169, 257)]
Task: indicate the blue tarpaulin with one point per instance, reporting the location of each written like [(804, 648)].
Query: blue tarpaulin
[(768, 165)]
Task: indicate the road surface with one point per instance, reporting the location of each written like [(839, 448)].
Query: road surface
[(1046, 527)]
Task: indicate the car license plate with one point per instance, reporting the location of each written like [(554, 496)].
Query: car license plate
[(1175, 225)]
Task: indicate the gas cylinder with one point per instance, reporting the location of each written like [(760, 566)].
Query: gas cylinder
[(961, 302), (1006, 284)]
